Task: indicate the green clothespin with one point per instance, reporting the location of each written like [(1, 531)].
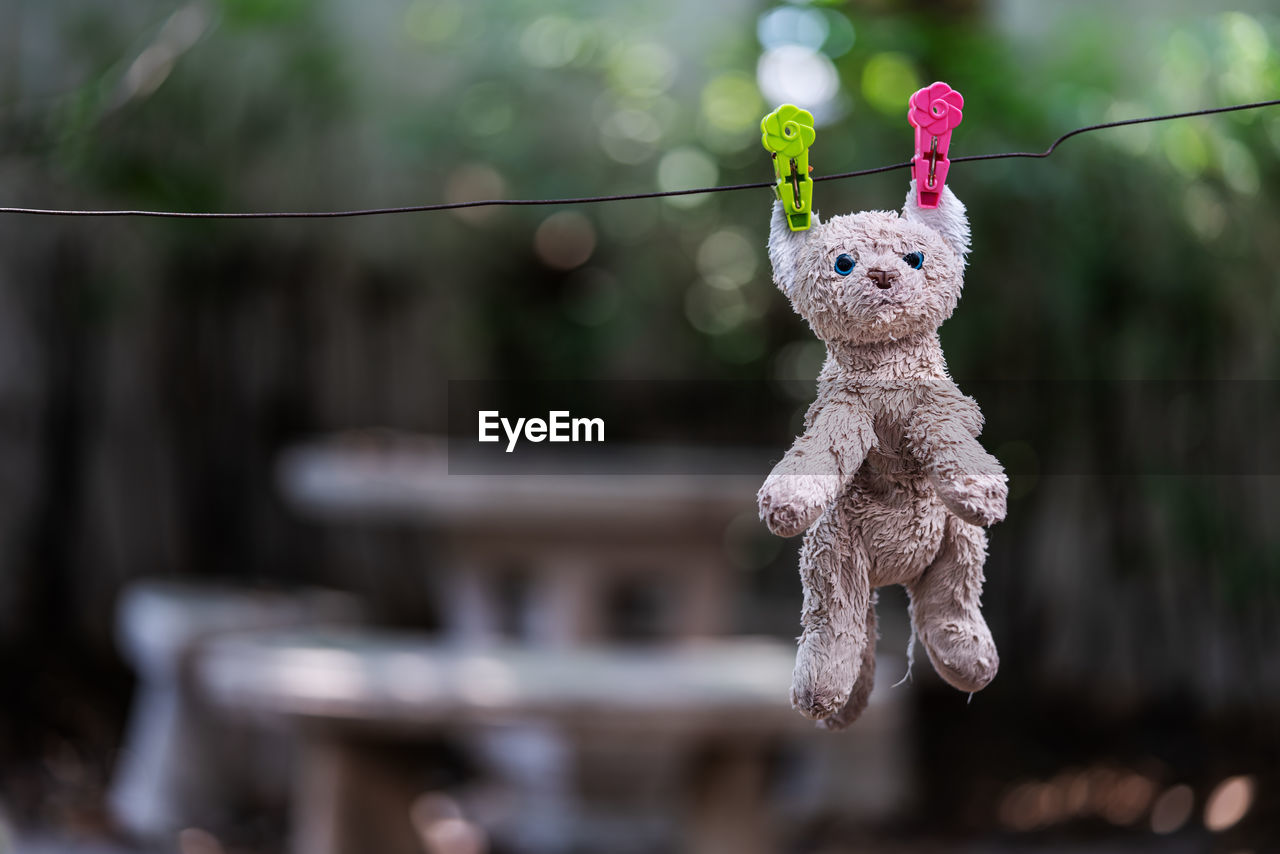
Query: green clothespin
[(787, 133)]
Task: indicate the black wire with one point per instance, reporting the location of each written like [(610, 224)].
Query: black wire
[(587, 200)]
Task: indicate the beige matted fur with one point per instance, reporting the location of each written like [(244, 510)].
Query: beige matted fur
[(888, 478)]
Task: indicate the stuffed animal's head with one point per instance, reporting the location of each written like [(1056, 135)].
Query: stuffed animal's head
[(876, 275)]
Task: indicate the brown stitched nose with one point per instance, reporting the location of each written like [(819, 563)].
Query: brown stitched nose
[(883, 278)]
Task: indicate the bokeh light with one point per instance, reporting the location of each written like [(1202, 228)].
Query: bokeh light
[(197, 840), (841, 35), (433, 21), (153, 65), (553, 41), (628, 224), (804, 26), (1120, 797), (727, 259), (1228, 803), (792, 74), (686, 168), (1186, 148), (1172, 809), (486, 109), (1128, 799), (642, 70), (1184, 71), (1133, 139), (565, 240), (1248, 52), (1204, 211), (731, 108), (1239, 168), (630, 136), (817, 28), (472, 182), (715, 310), (441, 828), (888, 80)]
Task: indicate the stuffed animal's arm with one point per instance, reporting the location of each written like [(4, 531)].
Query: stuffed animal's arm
[(817, 468), (942, 433), (786, 247)]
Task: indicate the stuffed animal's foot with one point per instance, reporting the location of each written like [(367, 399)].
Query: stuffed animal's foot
[(979, 499), (963, 652), (946, 610), (864, 680), (837, 594), (832, 685), (824, 676)]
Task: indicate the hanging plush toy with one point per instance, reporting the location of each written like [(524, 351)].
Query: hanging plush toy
[(888, 479)]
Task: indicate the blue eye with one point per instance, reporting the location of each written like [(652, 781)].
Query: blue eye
[(914, 259), (845, 264)]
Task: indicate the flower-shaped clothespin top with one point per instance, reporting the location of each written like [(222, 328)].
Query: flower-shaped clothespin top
[(934, 111), (787, 133)]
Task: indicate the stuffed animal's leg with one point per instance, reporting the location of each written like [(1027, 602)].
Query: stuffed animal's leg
[(946, 609), (864, 674), (834, 569)]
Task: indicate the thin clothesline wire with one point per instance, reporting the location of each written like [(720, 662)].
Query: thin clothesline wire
[(586, 200)]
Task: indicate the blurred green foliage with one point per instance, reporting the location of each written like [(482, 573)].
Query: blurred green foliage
[(276, 103), (1143, 253)]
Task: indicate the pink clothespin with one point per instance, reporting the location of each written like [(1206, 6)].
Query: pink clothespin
[(934, 111)]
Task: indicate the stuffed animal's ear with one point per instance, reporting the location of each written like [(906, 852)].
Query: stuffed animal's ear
[(948, 219), (785, 247)]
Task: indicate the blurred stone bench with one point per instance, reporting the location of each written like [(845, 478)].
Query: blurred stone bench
[(178, 764), (534, 684), (692, 730)]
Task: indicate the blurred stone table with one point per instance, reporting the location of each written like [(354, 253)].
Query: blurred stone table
[(535, 681), (575, 544)]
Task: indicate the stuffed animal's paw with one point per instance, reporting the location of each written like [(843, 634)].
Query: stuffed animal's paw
[(979, 499), (962, 652), (818, 705), (790, 503)]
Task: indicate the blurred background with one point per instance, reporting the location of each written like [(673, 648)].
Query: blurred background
[(244, 608)]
